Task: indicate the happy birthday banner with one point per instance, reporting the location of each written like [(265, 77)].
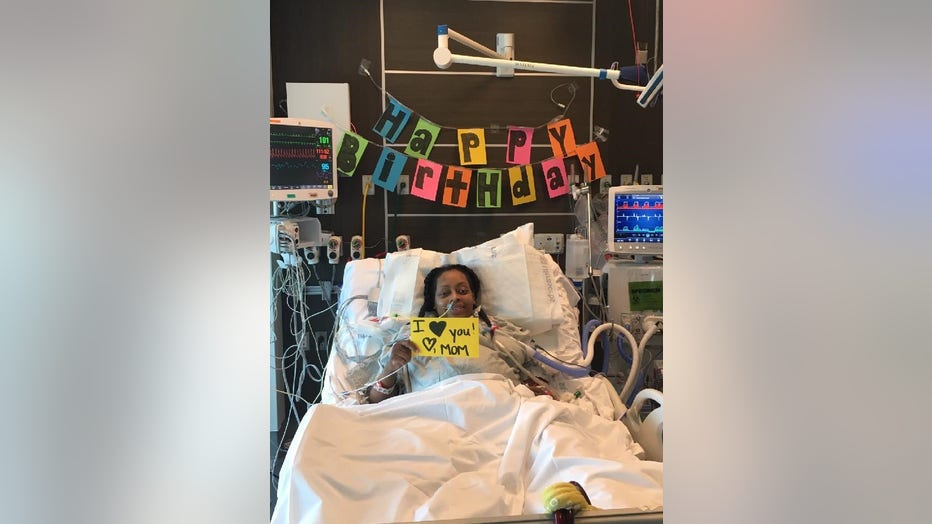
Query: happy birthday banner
[(453, 185)]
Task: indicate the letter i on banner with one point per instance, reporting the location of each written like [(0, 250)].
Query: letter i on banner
[(489, 188), (426, 179), (351, 149), (555, 177), (472, 146), (562, 139), (522, 185), (591, 160), (388, 169), (456, 186), (422, 139), (519, 145), (392, 121)]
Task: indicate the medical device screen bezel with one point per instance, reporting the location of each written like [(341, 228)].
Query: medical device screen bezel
[(312, 187), (613, 245)]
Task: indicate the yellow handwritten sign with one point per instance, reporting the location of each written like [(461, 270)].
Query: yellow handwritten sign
[(446, 337)]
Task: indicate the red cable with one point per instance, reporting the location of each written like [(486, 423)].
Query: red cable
[(634, 40)]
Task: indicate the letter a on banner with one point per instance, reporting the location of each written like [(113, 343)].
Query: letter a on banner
[(591, 161), (472, 146), (351, 149), (392, 121), (522, 185), (456, 186), (489, 188), (422, 139), (388, 169), (562, 140), (555, 177), (426, 179)]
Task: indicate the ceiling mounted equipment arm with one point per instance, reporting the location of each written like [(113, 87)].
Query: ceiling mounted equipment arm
[(505, 65)]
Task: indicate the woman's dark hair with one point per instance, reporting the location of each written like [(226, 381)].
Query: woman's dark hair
[(430, 288)]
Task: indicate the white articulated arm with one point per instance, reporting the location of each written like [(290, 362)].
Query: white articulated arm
[(443, 58)]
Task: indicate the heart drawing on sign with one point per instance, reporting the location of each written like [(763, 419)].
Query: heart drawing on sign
[(437, 327), (429, 343)]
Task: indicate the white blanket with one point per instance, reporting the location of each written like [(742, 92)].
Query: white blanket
[(472, 446)]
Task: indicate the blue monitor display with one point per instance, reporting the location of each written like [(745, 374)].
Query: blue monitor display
[(635, 220)]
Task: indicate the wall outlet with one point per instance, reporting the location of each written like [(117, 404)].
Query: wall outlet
[(355, 248), (647, 179), (549, 242), (321, 338), (404, 188), (627, 180), (367, 182), (334, 249)]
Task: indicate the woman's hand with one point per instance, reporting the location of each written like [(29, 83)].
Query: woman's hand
[(402, 351)]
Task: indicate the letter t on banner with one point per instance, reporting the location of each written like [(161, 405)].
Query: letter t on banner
[(456, 186)]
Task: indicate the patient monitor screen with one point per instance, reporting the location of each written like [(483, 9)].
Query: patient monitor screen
[(637, 222), (301, 154)]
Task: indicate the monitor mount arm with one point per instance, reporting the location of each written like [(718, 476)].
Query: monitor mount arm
[(503, 61)]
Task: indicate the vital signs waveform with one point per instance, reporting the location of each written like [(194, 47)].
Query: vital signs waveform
[(321, 153)]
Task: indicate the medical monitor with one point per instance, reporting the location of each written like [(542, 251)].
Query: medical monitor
[(635, 220), (302, 160)]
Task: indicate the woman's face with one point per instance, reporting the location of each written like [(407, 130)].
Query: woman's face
[(453, 287)]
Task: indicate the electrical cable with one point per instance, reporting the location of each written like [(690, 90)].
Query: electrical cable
[(490, 127)]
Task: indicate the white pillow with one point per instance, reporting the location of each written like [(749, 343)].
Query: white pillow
[(402, 291), (519, 284)]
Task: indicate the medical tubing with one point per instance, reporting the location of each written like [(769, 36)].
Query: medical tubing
[(573, 370), (629, 382), (530, 375)]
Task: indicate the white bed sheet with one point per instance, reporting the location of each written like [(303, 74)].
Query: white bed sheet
[(472, 446)]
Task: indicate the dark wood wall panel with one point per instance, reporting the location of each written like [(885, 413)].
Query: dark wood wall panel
[(483, 101), (444, 233), (558, 33), (325, 40)]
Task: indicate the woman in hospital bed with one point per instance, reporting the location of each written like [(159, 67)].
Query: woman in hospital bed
[(454, 291)]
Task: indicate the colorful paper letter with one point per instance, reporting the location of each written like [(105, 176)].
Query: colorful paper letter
[(351, 149), (555, 177), (392, 121), (562, 139), (591, 161), (388, 169), (422, 139), (456, 186), (472, 146), (489, 188), (519, 145), (521, 179), (426, 179)]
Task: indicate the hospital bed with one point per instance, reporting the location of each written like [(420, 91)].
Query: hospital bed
[(474, 447)]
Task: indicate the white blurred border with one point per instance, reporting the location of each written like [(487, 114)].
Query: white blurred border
[(135, 267)]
